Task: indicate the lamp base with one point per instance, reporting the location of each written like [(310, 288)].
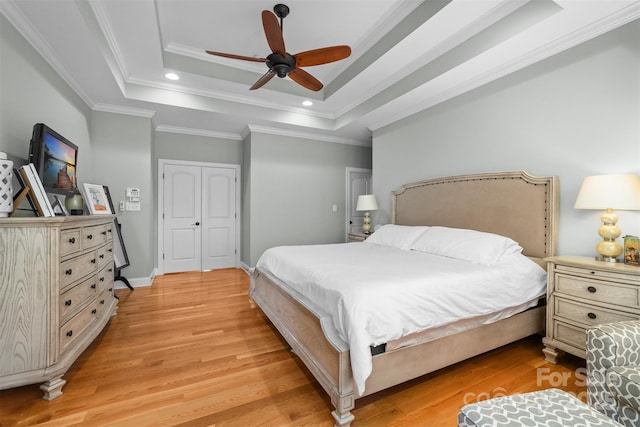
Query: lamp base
[(607, 259)]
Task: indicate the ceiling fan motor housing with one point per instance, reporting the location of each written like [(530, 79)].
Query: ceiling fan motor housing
[(281, 65)]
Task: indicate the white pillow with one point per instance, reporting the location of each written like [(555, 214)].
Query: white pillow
[(469, 245), (397, 236)]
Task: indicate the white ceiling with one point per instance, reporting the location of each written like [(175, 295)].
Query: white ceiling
[(406, 56)]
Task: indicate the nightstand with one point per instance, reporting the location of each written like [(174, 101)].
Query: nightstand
[(582, 292), (357, 237)]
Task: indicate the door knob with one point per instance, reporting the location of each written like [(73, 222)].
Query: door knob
[(197, 223)]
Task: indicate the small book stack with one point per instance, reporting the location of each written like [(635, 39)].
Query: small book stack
[(36, 193)]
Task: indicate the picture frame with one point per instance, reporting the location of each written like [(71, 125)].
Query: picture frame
[(96, 199), (632, 250), (120, 257)]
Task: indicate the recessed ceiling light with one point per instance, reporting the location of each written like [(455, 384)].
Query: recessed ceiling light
[(307, 103), (172, 76)]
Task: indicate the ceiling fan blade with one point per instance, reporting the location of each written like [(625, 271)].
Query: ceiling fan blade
[(232, 56), (324, 55), (305, 79), (273, 32), (263, 80)]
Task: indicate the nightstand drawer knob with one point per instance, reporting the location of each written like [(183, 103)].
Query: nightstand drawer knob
[(592, 315), (592, 289)]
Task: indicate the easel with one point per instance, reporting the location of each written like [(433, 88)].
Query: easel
[(19, 197)]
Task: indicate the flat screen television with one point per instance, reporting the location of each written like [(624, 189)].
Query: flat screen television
[(55, 158)]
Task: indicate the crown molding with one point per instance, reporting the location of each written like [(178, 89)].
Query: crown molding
[(39, 43), (119, 109), (198, 132), (305, 135), (587, 32)]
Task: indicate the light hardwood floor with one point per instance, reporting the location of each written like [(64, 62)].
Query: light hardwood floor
[(192, 350)]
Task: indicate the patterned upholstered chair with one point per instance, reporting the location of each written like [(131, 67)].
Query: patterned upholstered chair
[(613, 370)]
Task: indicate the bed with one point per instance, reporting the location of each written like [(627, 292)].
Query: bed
[(515, 205)]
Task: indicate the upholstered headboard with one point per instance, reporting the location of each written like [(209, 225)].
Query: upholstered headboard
[(513, 204)]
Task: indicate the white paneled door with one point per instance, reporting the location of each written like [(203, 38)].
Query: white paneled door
[(199, 217), (358, 183)]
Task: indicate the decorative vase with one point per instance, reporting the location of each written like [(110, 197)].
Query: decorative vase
[(74, 204), (6, 192)]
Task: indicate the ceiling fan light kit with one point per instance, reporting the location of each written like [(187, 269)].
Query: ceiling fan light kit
[(283, 64)]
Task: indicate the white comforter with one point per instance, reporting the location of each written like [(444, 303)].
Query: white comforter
[(376, 294)]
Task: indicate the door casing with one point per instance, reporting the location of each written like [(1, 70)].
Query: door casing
[(160, 205)]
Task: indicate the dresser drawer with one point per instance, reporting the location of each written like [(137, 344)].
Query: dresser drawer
[(72, 330), (70, 241), (105, 254), (588, 315), (95, 235), (596, 290), (105, 278), (77, 268), (570, 334), (74, 298), (105, 299)]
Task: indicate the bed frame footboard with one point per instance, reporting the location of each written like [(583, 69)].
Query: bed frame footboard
[(328, 360)]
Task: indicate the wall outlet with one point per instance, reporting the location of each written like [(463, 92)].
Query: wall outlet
[(122, 207)]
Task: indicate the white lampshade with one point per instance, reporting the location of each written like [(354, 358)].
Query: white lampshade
[(620, 192), (609, 192), (367, 202)]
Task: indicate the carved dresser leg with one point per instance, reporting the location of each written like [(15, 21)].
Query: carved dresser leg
[(52, 388)]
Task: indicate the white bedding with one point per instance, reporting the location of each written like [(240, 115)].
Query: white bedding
[(376, 294)]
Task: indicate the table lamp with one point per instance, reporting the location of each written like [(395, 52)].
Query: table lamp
[(609, 192), (366, 202)]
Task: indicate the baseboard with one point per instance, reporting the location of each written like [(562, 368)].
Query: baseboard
[(136, 282)]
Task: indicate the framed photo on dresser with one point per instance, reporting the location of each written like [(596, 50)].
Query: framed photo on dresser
[(632, 250), (96, 199)]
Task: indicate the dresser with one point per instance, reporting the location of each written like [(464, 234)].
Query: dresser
[(56, 295), (582, 292)]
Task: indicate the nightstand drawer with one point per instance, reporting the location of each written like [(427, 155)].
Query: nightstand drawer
[(588, 315), (595, 290), (611, 276), (570, 334)]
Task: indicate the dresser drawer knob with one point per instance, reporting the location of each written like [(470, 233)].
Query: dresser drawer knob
[(102, 256), (67, 302), (69, 333), (593, 272), (72, 240), (93, 261), (592, 289), (89, 236), (102, 279), (102, 301), (591, 315), (93, 286), (94, 311), (68, 272), (104, 233)]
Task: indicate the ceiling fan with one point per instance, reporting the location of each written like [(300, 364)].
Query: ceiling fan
[(283, 64)]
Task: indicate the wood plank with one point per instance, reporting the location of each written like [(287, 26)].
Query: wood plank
[(192, 350)]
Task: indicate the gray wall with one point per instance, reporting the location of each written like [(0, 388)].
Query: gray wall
[(122, 153), (197, 148), (572, 115), (293, 184), (31, 92)]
